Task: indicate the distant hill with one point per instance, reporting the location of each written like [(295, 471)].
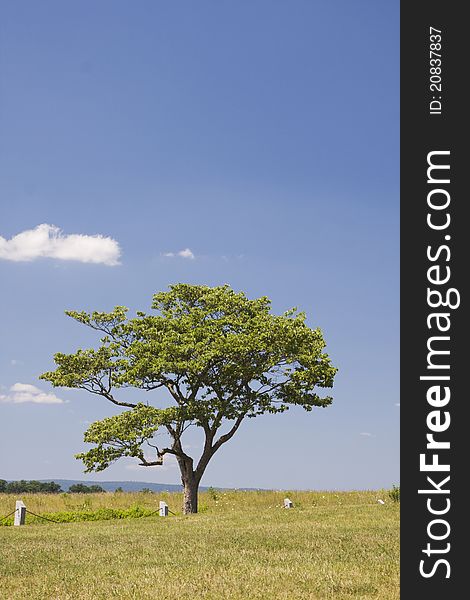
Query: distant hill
[(127, 486), (133, 486)]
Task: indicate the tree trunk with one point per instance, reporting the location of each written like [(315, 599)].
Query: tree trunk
[(190, 492), (190, 482), (191, 478)]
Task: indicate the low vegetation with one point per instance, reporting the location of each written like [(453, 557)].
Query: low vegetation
[(242, 545), (74, 516), (394, 494)]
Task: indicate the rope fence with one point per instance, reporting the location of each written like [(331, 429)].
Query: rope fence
[(166, 510), (21, 511), (41, 517), (158, 511), (6, 516)]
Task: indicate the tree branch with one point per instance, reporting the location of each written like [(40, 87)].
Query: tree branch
[(227, 436), (177, 448), (160, 455), (174, 390), (208, 451), (270, 389), (124, 339), (150, 463), (107, 395)]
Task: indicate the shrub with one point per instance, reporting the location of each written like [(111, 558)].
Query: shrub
[(394, 493), (81, 488), (212, 493)]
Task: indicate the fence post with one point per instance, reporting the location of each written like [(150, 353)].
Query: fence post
[(163, 509), (20, 513)]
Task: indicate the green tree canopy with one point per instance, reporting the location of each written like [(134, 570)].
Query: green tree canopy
[(29, 487), (220, 356), (81, 488)]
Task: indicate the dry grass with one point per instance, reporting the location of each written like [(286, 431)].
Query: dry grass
[(242, 546)]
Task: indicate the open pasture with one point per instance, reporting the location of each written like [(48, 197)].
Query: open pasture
[(241, 546)]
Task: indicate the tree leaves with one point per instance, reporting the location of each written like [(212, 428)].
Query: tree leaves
[(124, 434), (219, 355)]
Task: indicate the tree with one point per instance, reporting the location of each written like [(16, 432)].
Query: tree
[(218, 355), (30, 487), (81, 488), (53, 488)]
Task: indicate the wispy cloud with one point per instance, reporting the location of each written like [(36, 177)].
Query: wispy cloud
[(186, 253), (367, 434), (48, 241), (21, 393)]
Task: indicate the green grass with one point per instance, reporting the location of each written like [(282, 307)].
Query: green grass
[(242, 546), (75, 516)]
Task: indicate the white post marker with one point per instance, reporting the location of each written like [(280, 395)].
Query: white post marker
[(20, 513), (163, 509), (288, 503)]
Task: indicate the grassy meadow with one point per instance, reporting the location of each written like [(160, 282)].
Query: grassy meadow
[(241, 546)]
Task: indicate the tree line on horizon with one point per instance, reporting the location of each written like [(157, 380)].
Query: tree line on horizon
[(45, 487)]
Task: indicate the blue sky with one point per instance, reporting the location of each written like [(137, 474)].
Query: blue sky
[(259, 137)]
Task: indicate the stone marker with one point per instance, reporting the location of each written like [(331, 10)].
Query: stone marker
[(288, 503), (20, 513), (163, 509)]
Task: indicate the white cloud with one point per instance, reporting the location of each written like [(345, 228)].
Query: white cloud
[(25, 387), (367, 434), (25, 392), (49, 241), (397, 404), (186, 253)]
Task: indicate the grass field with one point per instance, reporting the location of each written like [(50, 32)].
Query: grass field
[(241, 546)]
